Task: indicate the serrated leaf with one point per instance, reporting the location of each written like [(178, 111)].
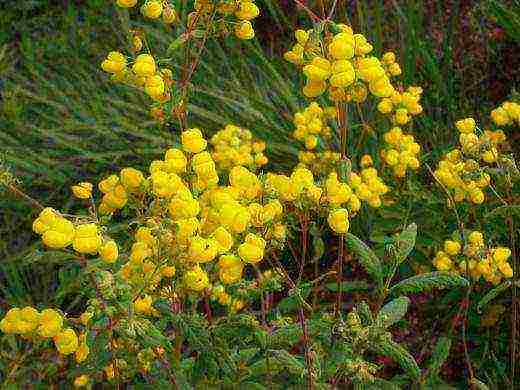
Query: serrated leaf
[(354, 285), (428, 282), (406, 242), (492, 294), (393, 311), (439, 355), (368, 259), (400, 355)]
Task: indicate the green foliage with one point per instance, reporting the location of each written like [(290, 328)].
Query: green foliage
[(368, 259), (393, 311), (428, 282)]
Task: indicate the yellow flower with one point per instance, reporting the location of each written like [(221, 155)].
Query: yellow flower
[(82, 352), (342, 46), (252, 250), (196, 279), (319, 69), (126, 3), (314, 88), (501, 254), (193, 141), (452, 248), (244, 30), (9, 322), (87, 239), (343, 74), (247, 10), (109, 252), (144, 65), (230, 269), (301, 36), (202, 250), (338, 221), (82, 190), (143, 305), (154, 86), (60, 234), (114, 63), (223, 238), (476, 239), (66, 341), (82, 380), (50, 323), (21, 321), (366, 161), (152, 9), (505, 268), (175, 161), (131, 179), (466, 125)]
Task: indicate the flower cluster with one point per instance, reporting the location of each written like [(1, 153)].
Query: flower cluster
[(401, 106), (144, 74), (462, 171), (340, 63), (234, 146), (475, 257), (311, 125), (238, 13), (400, 152), (153, 9), (507, 114), (47, 324)]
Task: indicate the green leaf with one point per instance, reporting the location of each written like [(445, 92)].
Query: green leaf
[(439, 355), (492, 294), (400, 355), (393, 311), (368, 259), (405, 242), (295, 299), (428, 282), (354, 285)]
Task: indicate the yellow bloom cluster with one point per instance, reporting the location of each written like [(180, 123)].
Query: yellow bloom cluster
[(144, 75), (507, 114), (153, 9), (244, 11), (82, 190), (460, 171), (311, 123), (48, 323), (400, 152), (480, 260), (58, 233), (193, 225), (402, 105), (340, 64), (234, 145), (390, 64)]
